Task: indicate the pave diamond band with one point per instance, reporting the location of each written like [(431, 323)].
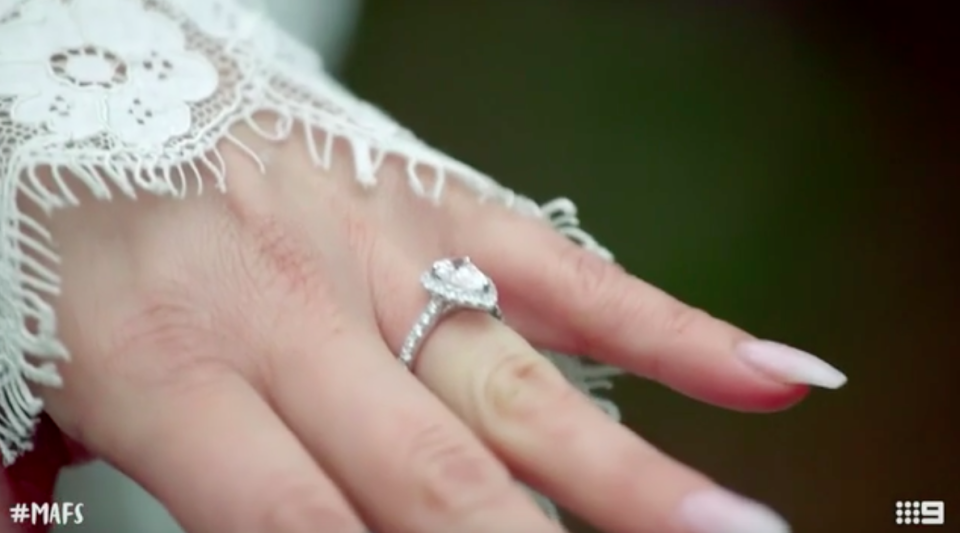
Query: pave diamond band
[(453, 284)]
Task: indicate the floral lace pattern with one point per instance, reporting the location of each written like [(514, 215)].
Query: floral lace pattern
[(96, 67), (134, 96)]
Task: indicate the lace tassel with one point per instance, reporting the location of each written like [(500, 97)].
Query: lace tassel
[(19, 410)]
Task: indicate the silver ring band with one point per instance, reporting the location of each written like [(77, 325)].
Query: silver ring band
[(453, 284)]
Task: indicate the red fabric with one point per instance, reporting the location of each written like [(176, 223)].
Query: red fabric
[(32, 478)]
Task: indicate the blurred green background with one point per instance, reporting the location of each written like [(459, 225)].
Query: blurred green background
[(790, 169)]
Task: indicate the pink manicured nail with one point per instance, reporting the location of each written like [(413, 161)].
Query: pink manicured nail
[(720, 511), (790, 365)]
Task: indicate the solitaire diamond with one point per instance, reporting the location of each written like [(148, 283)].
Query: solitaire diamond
[(460, 282), (468, 277)]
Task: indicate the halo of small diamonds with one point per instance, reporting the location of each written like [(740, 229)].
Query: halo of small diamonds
[(452, 284), (459, 282)]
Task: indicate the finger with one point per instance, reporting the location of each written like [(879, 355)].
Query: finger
[(220, 460), (554, 438), (408, 463), (569, 299)]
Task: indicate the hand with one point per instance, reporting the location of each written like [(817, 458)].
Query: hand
[(235, 354)]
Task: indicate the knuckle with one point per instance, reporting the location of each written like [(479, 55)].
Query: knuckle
[(454, 476), (524, 389), (360, 232), (296, 504), (168, 340), (594, 281), (292, 264), (591, 273), (681, 319)]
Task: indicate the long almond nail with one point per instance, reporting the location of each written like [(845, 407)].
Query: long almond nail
[(790, 365), (720, 511)]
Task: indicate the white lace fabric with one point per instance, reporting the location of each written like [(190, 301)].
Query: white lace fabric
[(135, 96)]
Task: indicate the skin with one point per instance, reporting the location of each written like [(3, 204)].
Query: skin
[(233, 354)]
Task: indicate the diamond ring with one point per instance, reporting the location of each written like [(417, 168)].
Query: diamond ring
[(453, 284)]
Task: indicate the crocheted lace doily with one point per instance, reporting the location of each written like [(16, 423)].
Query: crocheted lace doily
[(134, 96)]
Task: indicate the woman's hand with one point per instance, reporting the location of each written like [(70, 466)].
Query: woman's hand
[(235, 354)]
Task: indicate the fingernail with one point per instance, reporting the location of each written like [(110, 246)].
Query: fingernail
[(790, 365), (720, 511)]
